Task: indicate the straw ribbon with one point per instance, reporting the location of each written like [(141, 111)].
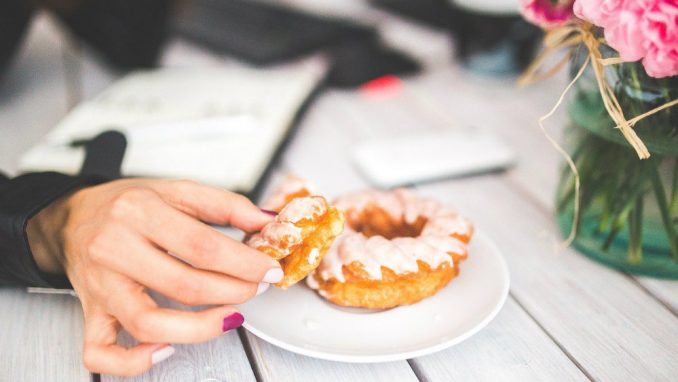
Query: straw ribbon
[(570, 36)]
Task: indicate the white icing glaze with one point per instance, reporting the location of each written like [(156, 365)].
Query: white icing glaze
[(353, 203), (302, 208), (313, 256), (444, 243), (446, 225), (257, 240), (422, 250), (401, 254), (281, 233)]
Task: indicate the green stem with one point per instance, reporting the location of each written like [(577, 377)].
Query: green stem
[(674, 189), (636, 232), (617, 225), (636, 81), (664, 211)]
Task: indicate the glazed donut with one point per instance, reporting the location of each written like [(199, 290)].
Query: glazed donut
[(396, 249), (301, 233)]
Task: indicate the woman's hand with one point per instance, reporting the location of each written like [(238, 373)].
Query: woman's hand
[(117, 239)]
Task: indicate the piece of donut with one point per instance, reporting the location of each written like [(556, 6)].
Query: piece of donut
[(291, 187), (300, 234), (396, 249)]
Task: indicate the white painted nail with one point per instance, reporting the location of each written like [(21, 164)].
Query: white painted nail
[(162, 354), (273, 275), (262, 288)]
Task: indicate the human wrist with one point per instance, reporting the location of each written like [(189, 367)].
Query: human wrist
[(45, 236)]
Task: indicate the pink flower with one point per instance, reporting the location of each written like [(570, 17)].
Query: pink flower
[(624, 32), (661, 32), (597, 12), (660, 64), (638, 29), (547, 13)]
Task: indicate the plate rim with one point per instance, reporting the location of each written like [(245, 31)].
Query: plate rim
[(408, 354)]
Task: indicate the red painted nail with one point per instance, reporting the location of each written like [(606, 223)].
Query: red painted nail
[(232, 321), (269, 212)]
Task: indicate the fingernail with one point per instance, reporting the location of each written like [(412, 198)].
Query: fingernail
[(262, 288), (269, 212), (162, 354), (232, 321), (273, 275)]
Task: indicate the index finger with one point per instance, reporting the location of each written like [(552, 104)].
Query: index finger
[(203, 246), (212, 205)]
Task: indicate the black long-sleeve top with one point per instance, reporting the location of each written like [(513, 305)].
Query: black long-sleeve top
[(20, 199)]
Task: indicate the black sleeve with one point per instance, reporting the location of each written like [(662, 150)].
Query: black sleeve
[(20, 199), (14, 18)]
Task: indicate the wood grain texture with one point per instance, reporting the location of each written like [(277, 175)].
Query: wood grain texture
[(510, 348), (222, 359), (614, 329), (665, 291), (275, 364), (40, 337)]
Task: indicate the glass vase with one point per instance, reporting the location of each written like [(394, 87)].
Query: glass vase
[(628, 206)]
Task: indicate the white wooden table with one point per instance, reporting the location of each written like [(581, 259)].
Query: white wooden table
[(566, 318)]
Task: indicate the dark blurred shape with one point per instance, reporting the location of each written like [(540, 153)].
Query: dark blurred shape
[(129, 34), (262, 33), (356, 62), (494, 44), (433, 12), (14, 17), (487, 42), (104, 154)]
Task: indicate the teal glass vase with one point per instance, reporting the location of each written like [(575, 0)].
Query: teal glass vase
[(628, 209)]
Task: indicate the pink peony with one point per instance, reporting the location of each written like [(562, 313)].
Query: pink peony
[(547, 13), (597, 12), (638, 29)]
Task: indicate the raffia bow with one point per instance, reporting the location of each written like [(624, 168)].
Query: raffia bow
[(572, 35)]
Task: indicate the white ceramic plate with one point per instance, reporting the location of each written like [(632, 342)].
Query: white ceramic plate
[(300, 321)]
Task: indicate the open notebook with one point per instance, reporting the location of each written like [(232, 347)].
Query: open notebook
[(220, 125)]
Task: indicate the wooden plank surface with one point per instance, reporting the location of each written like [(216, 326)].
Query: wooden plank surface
[(222, 359), (665, 291), (610, 326), (275, 364), (41, 336), (510, 348)]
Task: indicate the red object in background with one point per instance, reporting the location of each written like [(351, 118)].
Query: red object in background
[(382, 87)]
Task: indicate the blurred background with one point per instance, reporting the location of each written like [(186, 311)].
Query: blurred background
[(214, 89)]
